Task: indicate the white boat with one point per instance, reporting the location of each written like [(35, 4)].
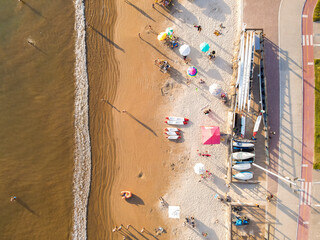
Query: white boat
[(243, 175), (174, 137), (177, 118), (172, 129), (242, 155), (176, 122), (172, 133), (241, 166), (242, 144)]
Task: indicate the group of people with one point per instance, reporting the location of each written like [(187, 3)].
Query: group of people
[(190, 221)]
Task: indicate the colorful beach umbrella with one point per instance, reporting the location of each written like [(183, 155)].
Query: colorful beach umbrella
[(169, 31), (192, 71), (162, 36), (204, 47), (184, 50)]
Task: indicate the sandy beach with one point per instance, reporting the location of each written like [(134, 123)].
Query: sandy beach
[(143, 160)]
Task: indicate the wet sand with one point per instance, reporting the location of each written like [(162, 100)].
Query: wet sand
[(129, 150)]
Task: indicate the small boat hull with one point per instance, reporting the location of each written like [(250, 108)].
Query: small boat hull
[(172, 133), (243, 175), (173, 137), (171, 122), (172, 129), (177, 119), (243, 144), (241, 166), (242, 155), (242, 149), (242, 161)]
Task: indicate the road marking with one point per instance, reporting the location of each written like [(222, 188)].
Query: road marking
[(303, 40), (316, 45), (309, 194), (302, 192), (311, 40), (305, 194), (310, 63), (305, 16), (307, 40), (304, 165), (305, 223)]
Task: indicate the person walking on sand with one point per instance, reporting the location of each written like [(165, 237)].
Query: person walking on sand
[(198, 27), (13, 198), (206, 112)]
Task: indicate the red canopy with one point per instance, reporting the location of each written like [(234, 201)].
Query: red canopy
[(210, 135)]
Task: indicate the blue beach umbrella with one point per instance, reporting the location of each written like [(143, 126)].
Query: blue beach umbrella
[(192, 71), (204, 47)]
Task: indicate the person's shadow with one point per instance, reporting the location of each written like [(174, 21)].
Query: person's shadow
[(25, 205)]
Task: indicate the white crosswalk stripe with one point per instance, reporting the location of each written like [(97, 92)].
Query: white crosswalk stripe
[(307, 40), (305, 193), (305, 16), (311, 40)]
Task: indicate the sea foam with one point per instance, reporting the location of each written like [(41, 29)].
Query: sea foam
[(82, 154)]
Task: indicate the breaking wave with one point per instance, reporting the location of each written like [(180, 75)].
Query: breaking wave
[(82, 154)]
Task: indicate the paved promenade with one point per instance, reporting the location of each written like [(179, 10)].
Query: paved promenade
[(281, 21)]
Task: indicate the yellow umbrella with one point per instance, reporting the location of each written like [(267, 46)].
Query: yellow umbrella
[(162, 36)]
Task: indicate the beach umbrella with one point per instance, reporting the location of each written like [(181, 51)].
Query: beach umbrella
[(215, 90), (169, 31), (192, 71), (174, 211), (162, 36), (184, 50), (204, 47), (210, 135), (199, 168)]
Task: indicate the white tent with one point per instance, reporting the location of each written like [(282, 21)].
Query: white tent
[(199, 168), (215, 89), (174, 212)]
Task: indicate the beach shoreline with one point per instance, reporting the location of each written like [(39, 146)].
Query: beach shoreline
[(140, 158)]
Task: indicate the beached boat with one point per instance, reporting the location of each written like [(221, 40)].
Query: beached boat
[(243, 175), (242, 149), (241, 166), (172, 129), (242, 161), (242, 144), (242, 155), (176, 122), (177, 119), (172, 133), (173, 137)]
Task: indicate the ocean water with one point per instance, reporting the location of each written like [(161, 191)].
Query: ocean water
[(37, 92)]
